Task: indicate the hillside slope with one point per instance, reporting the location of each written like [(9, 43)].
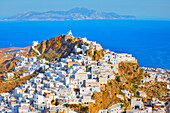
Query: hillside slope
[(7, 65), (62, 46), (57, 47), (130, 77), (107, 97)]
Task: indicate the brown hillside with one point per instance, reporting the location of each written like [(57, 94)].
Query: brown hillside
[(57, 47), (62, 46), (7, 65), (130, 75)]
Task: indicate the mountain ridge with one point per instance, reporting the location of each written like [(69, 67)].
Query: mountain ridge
[(72, 14)]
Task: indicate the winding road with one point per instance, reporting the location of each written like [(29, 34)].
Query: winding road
[(36, 51)]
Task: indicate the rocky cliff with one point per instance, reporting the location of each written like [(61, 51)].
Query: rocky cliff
[(62, 46), (57, 47), (8, 65), (130, 75), (95, 55)]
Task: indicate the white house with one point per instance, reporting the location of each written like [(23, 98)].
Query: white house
[(116, 108), (136, 103)]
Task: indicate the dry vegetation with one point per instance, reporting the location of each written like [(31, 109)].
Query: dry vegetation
[(130, 75), (57, 47), (8, 86), (96, 55)]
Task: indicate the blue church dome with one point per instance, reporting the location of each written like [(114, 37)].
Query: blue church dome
[(75, 64)]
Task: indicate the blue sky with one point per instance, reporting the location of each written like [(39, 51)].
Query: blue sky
[(143, 9)]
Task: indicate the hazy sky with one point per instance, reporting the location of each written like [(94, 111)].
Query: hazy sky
[(153, 9)]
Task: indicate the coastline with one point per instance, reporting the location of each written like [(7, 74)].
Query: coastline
[(135, 36), (13, 48), (6, 54)]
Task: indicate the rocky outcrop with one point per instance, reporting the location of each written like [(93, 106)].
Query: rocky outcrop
[(7, 65), (62, 46), (57, 47), (94, 54), (130, 74), (158, 89)]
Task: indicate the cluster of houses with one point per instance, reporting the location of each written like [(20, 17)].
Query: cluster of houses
[(72, 80), (157, 75), (30, 64), (153, 105)]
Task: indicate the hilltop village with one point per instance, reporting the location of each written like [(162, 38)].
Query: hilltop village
[(80, 83)]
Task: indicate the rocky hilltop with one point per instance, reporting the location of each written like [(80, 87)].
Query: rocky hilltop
[(62, 46), (57, 47), (53, 49), (73, 14)]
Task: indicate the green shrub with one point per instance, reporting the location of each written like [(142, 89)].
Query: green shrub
[(109, 62), (118, 79), (121, 93), (35, 52), (52, 100), (120, 88), (132, 81), (66, 105), (10, 71), (135, 87), (84, 109), (121, 105)]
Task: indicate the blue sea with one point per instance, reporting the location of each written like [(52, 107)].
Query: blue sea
[(147, 40)]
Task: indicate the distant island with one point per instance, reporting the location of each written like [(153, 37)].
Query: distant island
[(72, 14)]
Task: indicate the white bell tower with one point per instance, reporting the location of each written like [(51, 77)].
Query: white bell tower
[(69, 33)]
